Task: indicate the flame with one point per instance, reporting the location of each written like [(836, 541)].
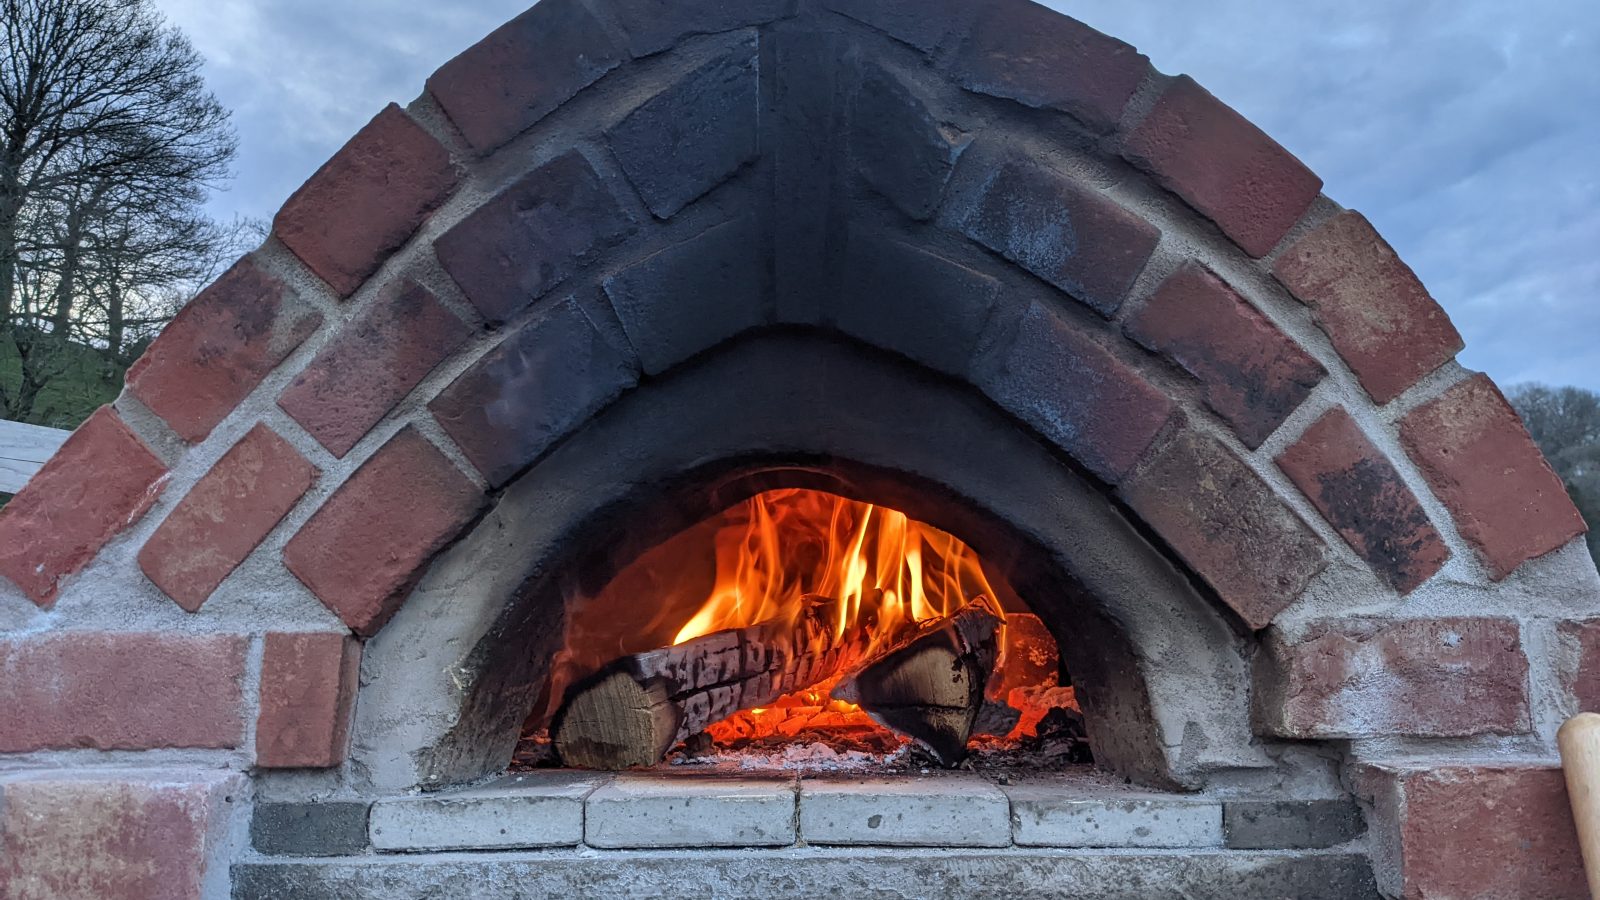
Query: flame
[(885, 571)]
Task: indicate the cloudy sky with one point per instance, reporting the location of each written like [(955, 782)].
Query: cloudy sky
[(1467, 130)]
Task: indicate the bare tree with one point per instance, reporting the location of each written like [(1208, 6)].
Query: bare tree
[(109, 145), (1565, 423)]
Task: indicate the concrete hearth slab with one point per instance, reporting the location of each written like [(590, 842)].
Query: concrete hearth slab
[(689, 810), (938, 810), (539, 809)]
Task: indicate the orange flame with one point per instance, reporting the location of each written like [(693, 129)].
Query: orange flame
[(886, 571)]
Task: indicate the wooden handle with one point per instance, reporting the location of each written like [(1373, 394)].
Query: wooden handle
[(1580, 759)]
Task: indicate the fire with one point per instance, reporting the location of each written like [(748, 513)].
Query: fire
[(884, 571)]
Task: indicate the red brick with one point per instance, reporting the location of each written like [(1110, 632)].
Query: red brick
[(1061, 231), (308, 688), (1447, 677), (536, 234), (656, 25), (1076, 394), (1377, 314), (1582, 681), (1253, 375), (367, 200), (369, 543), (532, 390), (1036, 56), (1200, 149), (1473, 832), (1358, 491), (219, 348), (1508, 502), (1226, 524), (372, 364), (227, 513), (500, 86), (62, 517), (137, 835), (120, 691)]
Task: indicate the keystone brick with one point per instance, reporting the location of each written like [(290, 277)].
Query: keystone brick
[(1480, 461), (1065, 233), (694, 135), (1038, 57), (898, 144), (369, 543), (372, 364), (533, 236), (113, 835), (1377, 314), (218, 349), (120, 691), (1462, 832), (656, 25), (500, 86), (308, 688), (61, 519), (367, 200), (530, 391), (1358, 491), (1225, 522), (692, 296), (924, 24), (1077, 395), (915, 303), (1253, 375), (1200, 149), (227, 513), (329, 828), (1447, 677)]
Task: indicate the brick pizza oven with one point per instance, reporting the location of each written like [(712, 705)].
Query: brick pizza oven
[(277, 621)]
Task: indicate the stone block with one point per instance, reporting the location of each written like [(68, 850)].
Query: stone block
[(219, 347), (691, 811), (1067, 234), (693, 135), (225, 515), (125, 835), (1478, 458), (1226, 168), (898, 144), (1227, 525), (692, 296), (326, 828), (59, 520), (372, 364), (652, 26), (525, 69), (1038, 57), (308, 688), (1250, 373), (1358, 491), (904, 812), (1444, 677), (540, 809), (1290, 824), (531, 237), (1380, 318), (913, 302), (364, 549), (1048, 815), (366, 201), (120, 691)]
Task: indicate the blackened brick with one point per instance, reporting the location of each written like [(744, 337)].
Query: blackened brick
[(656, 25), (898, 144)]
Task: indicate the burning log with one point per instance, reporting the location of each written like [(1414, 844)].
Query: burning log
[(635, 709), (929, 685)]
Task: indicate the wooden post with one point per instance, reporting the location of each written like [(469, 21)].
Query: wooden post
[(1579, 740)]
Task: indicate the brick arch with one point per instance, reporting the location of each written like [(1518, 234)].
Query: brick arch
[(597, 195)]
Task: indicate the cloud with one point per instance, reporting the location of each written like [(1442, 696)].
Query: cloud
[(1464, 129)]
